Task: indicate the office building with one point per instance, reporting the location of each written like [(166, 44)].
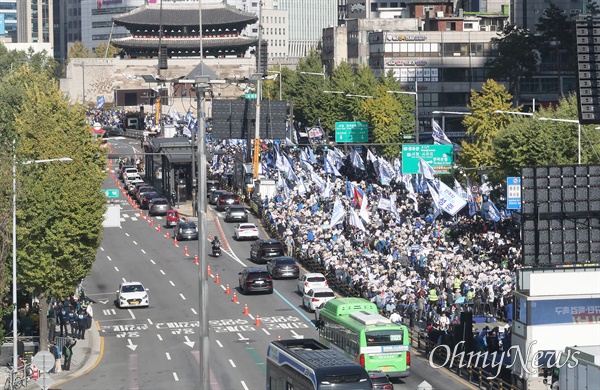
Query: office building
[(35, 21), (8, 20), (96, 20)]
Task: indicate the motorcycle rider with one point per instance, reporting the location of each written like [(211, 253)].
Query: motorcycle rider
[(216, 244)]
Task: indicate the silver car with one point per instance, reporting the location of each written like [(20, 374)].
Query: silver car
[(212, 199), (158, 206), (236, 213)]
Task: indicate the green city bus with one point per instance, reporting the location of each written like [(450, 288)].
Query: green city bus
[(354, 326)]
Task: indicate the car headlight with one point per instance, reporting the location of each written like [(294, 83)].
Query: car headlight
[(145, 296)]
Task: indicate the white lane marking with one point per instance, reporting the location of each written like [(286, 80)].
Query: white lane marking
[(182, 297), (116, 269), (102, 249), (232, 363), (149, 321), (127, 234), (131, 314), (244, 385), (124, 280), (242, 338), (251, 316), (108, 257), (266, 331), (162, 272), (143, 251), (134, 243), (168, 356), (194, 311), (152, 261), (172, 284), (159, 337), (223, 288), (175, 376), (219, 343)]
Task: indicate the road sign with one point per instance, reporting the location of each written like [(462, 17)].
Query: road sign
[(513, 193), (44, 360), (113, 193), (474, 189), (440, 157), (250, 96), (351, 132)]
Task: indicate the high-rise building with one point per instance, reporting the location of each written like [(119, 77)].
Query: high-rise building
[(8, 20), (35, 21), (526, 13), (96, 20), (67, 26)]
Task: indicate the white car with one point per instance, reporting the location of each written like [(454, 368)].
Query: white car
[(132, 294), (316, 297), (246, 231), (309, 281)]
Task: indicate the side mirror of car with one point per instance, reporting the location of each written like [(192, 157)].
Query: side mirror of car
[(117, 291)]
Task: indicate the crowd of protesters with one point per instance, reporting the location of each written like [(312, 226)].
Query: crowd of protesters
[(408, 260)]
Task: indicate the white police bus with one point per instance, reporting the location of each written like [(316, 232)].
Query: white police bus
[(308, 364)]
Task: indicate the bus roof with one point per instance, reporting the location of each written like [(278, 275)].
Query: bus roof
[(345, 306), (310, 352)]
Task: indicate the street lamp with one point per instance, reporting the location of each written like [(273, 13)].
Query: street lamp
[(335, 92), (359, 96), (416, 109), (15, 328), (201, 87), (513, 113), (275, 76), (578, 133), (316, 74)]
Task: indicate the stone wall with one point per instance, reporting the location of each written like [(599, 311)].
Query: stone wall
[(101, 76)]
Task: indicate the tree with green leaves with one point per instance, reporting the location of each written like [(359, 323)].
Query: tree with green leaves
[(60, 206), (390, 118), (307, 94), (79, 50), (556, 39), (527, 141), (483, 124), (517, 56), (100, 50)]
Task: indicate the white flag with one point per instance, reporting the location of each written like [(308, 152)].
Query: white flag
[(301, 187), (426, 169), (438, 134), (327, 191), (338, 213), (355, 221), (364, 213), (460, 190)]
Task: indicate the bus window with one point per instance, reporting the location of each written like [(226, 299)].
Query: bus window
[(384, 337)]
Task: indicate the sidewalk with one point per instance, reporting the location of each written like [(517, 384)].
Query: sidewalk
[(86, 355)]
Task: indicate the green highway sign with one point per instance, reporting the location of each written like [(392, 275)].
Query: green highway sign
[(352, 132), (111, 193), (250, 96), (440, 157)]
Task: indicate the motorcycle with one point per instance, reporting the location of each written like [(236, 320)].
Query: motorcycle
[(216, 251)]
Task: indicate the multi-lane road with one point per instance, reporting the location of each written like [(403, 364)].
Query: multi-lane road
[(158, 347)]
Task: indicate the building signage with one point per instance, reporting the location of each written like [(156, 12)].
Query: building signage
[(407, 63), (406, 38)]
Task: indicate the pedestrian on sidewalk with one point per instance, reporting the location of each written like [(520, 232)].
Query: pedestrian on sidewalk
[(81, 324), (90, 314), (68, 354), (53, 349), (52, 322)]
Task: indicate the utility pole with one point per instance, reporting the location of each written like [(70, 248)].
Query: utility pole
[(256, 156)]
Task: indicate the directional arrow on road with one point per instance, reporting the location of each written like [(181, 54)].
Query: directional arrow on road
[(131, 345), (189, 343), (242, 338), (296, 335), (104, 302)]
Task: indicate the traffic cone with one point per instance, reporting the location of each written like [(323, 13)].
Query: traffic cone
[(209, 273), (217, 280), (167, 235), (196, 259), (158, 228), (152, 222), (228, 291), (278, 337), (257, 323), (175, 242), (185, 251), (35, 373), (246, 309), (141, 214), (234, 299)]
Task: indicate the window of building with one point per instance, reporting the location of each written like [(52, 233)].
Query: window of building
[(450, 26), (455, 74), (454, 99), (428, 99)]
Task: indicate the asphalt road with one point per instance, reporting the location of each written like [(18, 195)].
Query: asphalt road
[(157, 347)]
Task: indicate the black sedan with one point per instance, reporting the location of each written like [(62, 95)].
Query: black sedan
[(186, 231), (283, 267), (147, 197)]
